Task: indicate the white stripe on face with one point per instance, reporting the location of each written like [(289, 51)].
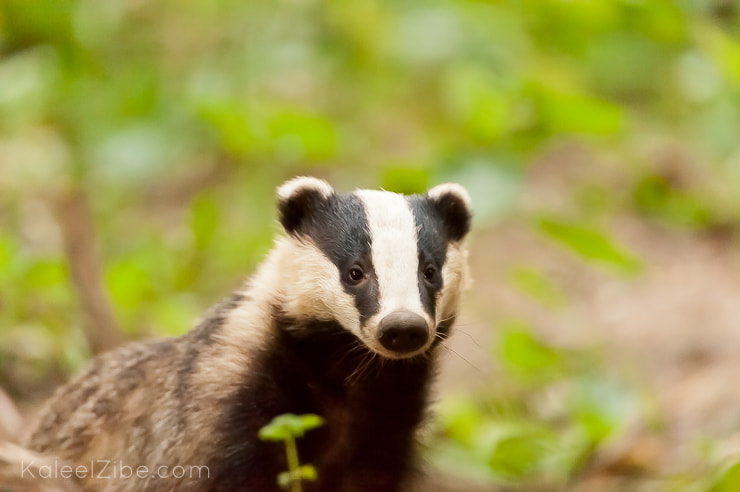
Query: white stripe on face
[(394, 251)]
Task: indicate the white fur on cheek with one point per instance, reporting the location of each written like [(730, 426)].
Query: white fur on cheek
[(455, 279), (312, 287), (394, 251)]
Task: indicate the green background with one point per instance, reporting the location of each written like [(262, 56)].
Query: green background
[(155, 133)]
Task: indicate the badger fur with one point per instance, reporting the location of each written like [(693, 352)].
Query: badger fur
[(343, 320)]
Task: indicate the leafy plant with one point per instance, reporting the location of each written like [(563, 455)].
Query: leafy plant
[(591, 244), (287, 428), (551, 410)]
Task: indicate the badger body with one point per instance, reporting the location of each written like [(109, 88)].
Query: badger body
[(343, 320)]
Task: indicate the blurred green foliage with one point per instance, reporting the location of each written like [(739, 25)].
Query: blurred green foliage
[(592, 245), (546, 413), (177, 120)]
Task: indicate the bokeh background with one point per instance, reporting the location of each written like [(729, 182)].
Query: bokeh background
[(141, 143)]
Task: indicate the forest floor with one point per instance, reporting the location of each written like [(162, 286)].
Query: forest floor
[(673, 331)]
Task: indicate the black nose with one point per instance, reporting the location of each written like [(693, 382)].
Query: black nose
[(403, 331)]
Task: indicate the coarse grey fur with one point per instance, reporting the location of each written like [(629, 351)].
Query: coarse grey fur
[(176, 402)]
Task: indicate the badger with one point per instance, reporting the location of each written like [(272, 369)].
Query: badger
[(343, 320)]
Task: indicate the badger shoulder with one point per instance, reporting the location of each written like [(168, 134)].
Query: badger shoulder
[(141, 394), (343, 319)]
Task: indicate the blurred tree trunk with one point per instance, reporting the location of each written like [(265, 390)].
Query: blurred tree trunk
[(11, 422), (78, 231)]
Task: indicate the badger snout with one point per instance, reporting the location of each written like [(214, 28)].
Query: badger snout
[(403, 332)]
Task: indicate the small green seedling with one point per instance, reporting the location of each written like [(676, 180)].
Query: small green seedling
[(288, 427)]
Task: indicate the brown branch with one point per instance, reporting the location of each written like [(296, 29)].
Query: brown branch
[(11, 422), (78, 233)]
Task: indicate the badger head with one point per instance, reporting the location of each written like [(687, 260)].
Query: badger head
[(386, 267)]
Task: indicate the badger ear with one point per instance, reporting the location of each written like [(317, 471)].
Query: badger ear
[(298, 197), (452, 203)]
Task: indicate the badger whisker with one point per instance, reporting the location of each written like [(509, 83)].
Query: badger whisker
[(343, 299), (351, 378), (459, 328), (354, 348), (457, 354), (361, 369)]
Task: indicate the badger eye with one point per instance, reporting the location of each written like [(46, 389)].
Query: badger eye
[(430, 273), (355, 275)]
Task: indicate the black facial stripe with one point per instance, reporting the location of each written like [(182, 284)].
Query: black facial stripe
[(339, 228), (432, 247), (367, 296)]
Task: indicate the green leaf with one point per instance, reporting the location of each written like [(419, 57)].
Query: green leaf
[(272, 432), (603, 407), (655, 197), (574, 113), (461, 418), (729, 480), (537, 285), (406, 179), (477, 99), (304, 472), (8, 254), (173, 314), (45, 274), (298, 136), (284, 479), (289, 425), (232, 122), (518, 454), (128, 283), (307, 472), (526, 357), (591, 244)]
